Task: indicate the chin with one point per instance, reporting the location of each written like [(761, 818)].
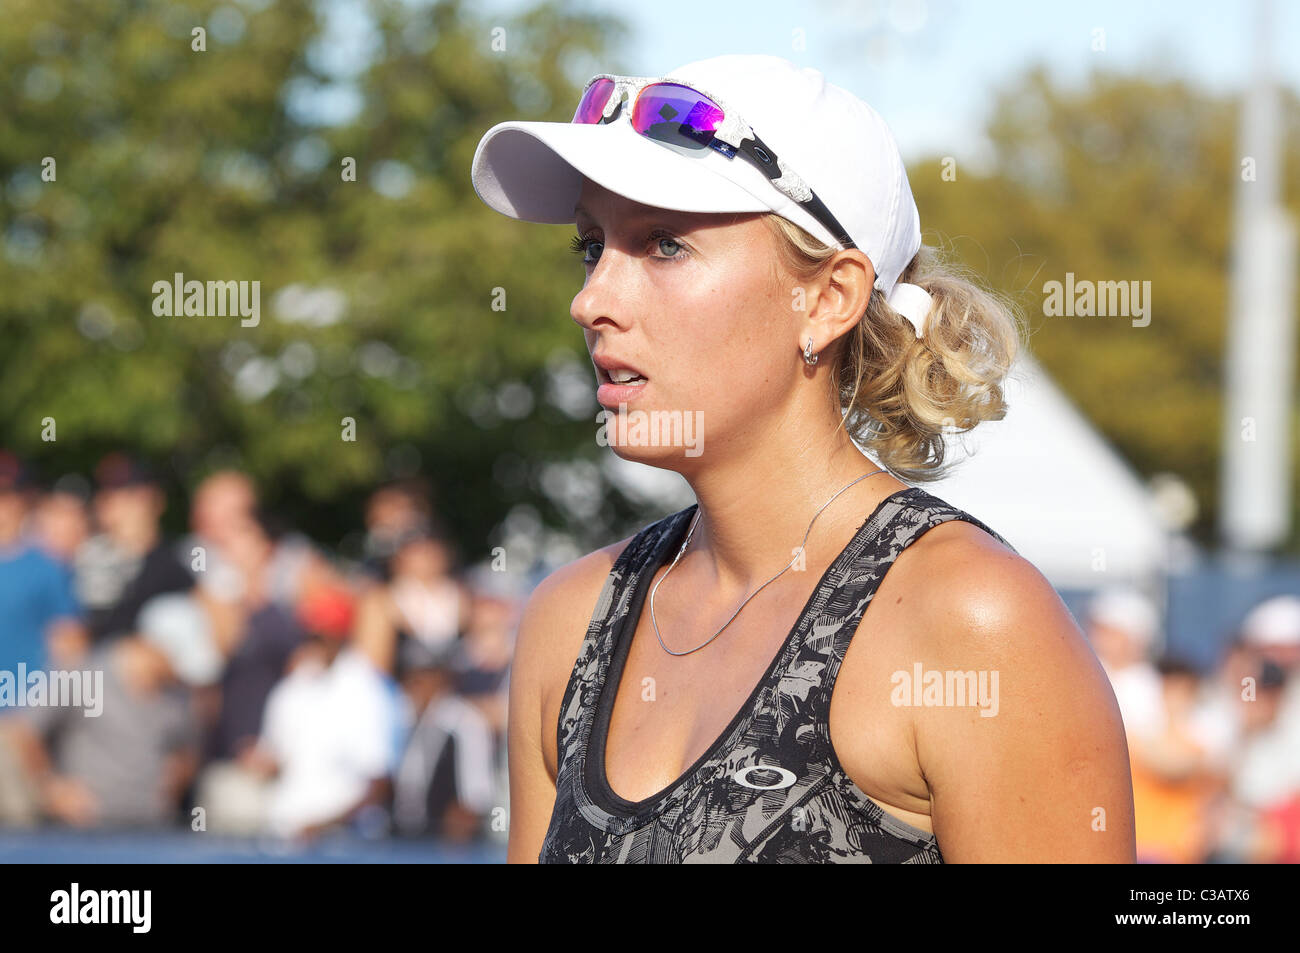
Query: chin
[(663, 458), (670, 439)]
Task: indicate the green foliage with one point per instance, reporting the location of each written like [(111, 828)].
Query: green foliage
[(175, 160), (1123, 179), (204, 163)]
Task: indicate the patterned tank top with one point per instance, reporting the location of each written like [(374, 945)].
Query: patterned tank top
[(770, 789)]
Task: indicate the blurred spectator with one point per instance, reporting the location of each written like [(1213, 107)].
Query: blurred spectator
[(128, 562), (1259, 820), (264, 639), (221, 506), (1122, 625), (331, 732), (1272, 631), (40, 616), (446, 783), (1175, 775), (394, 511), (232, 531), (483, 661), (295, 565), (61, 522), (453, 772), (431, 605), (1222, 694), (422, 601), (128, 765)]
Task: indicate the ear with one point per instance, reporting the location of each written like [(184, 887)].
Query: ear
[(836, 300)]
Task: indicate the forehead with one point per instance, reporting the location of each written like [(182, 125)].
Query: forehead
[(598, 204)]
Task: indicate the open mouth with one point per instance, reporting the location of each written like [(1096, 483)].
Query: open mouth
[(620, 376)]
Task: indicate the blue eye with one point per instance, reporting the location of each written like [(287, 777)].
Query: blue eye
[(670, 241), (581, 245), (661, 237)]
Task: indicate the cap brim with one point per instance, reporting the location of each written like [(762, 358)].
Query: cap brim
[(533, 171)]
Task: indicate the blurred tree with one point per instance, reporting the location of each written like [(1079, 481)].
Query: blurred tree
[(233, 163), (1122, 179)]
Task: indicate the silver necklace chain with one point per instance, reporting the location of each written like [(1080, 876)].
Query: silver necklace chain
[(687, 542)]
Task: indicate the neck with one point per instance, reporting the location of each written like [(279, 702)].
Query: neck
[(757, 498)]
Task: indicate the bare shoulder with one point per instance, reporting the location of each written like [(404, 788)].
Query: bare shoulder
[(552, 626), (557, 612), (1037, 769), (979, 593), (550, 632)]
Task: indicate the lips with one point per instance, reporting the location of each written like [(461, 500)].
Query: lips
[(615, 370), (612, 393)]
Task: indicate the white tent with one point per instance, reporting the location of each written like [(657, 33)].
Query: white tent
[(1045, 480)]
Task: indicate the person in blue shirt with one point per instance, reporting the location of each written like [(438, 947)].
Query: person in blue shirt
[(40, 620)]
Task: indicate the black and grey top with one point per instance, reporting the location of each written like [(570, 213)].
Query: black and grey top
[(770, 789)]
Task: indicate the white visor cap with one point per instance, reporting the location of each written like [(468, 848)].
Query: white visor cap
[(835, 142)]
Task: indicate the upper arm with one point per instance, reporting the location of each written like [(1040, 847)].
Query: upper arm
[(373, 633), (1046, 778), (551, 628), (532, 792)]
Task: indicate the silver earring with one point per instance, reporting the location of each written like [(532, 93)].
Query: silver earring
[(809, 357)]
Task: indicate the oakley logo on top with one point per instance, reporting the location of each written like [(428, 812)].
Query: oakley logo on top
[(784, 778), (770, 789)]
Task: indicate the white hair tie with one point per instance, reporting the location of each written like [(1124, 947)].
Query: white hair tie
[(912, 302)]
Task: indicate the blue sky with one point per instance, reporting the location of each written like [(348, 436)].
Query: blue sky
[(931, 67)]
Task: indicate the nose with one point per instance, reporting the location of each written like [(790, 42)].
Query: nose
[(598, 305)]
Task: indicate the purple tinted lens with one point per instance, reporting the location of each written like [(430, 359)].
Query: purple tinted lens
[(676, 114), (592, 106)]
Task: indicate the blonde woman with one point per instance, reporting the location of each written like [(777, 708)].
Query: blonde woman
[(816, 662)]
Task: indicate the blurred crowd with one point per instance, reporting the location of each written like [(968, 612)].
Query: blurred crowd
[(1215, 756), (252, 683), (255, 684)]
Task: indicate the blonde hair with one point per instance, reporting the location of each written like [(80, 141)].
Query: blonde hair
[(899, 394)]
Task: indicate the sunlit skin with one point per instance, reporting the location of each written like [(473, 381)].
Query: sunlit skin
[(705, 314)]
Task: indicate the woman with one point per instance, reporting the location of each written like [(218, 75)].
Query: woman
[(753, 262)]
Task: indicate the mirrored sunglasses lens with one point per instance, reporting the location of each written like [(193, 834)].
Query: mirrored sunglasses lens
[(592, 106), (677, 115)]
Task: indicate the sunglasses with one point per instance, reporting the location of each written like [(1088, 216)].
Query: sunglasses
[(682, 117)]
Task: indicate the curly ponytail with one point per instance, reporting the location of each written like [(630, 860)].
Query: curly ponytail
[(898, 393)]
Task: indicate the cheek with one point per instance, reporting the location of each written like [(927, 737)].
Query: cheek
[(725, 365), (739, 334), (718, 330)]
